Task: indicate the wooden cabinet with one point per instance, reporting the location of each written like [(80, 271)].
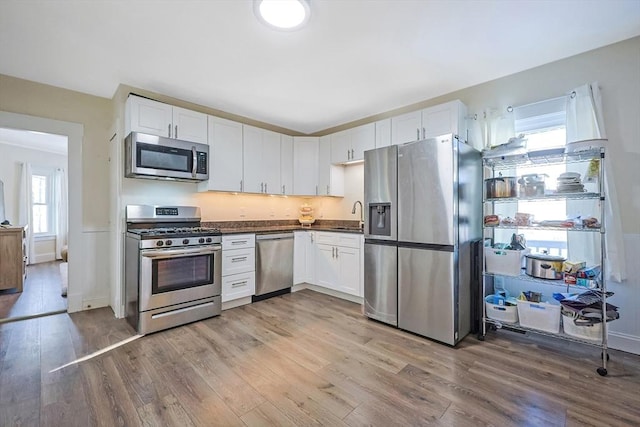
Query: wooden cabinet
[(349, 145), (156, 118), (238, 266), (261, 160), (338, 262), (286, 164), (430, 122), (330, 176), (305, 166), (12, 257), (225, 156)]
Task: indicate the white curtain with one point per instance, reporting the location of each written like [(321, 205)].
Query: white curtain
[(60, 208), (24, 208), (585, 122), (496, 127)]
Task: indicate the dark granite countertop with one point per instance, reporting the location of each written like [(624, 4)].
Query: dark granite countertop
[(278, 226)]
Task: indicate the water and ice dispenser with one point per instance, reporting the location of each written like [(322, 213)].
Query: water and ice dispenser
[(379, 219)]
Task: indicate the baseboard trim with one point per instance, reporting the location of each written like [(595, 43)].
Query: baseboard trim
[(236, 303), (333, 293), (624, 342), (48, 257)]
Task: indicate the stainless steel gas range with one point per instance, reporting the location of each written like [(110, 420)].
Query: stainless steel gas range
[(173, 267)]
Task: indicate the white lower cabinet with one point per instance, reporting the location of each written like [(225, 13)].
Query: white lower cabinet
[(238, 266), (338, 262)]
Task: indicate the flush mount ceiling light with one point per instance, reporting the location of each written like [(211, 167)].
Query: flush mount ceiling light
[(285, 15)]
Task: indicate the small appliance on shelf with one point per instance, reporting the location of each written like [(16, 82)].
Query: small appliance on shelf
[(306, 215)]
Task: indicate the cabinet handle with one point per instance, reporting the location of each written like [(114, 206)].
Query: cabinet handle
[(169, 131), (311, 236), (336, 252), (348, 155), (236, 284), (265, 188), (262, 187), (333, 252), (352, 154), (176, 132), (328, 192), (283, 192), (240, 185), (417, 134), (424, 133), (238, 259), (239, 242)]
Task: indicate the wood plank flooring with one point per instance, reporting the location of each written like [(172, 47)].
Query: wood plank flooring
[(41, 293), (301, 359)]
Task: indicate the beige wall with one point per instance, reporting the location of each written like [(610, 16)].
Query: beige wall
[(94, 113)]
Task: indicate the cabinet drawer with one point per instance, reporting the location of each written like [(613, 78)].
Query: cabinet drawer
[(349, 240), (238, 286), (326, 238), (238, 241), (238, 261)]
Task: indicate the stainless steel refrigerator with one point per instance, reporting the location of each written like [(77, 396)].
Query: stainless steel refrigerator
[(422, 210)]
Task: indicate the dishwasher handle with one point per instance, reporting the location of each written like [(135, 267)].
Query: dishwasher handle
[(275, 236)]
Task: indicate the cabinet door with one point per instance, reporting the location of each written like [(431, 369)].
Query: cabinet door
[(271, 162), (238, 286), (406, 127), (148, 116), (444, 119), (340, 146), (252, 159), (310, 254), (300, 239), (327, 267), (324, 165), (286, 164), (189, 125), (362, 138), (383, 133), (225, 156), (305, 166), (349, 267)]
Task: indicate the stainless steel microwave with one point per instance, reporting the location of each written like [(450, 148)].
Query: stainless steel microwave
[(157, 157)]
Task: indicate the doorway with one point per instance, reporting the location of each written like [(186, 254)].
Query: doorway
[(37, 272)]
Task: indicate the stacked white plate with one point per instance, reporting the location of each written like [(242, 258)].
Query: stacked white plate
[(569, 182)]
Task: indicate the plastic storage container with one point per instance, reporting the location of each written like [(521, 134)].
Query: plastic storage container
[(503, 313), (503, 261), (539, 315), (591, 332)]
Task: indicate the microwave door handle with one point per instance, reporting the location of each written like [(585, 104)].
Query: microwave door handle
[(194, 166)]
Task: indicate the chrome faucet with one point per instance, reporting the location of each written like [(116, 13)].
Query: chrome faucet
[(353, 211)]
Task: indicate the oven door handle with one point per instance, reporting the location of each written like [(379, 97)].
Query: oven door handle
[(171, 253), (194, 154)]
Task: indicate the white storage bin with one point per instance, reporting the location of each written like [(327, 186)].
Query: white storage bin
[(503, 313), (503, 261), (539, 315), (591, 333)]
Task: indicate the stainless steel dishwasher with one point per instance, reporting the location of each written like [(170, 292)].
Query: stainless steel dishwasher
[(274, 265)]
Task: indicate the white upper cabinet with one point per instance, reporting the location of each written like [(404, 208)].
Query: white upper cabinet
[(189, 125), (261, 160), (225, 156), (330, 177), (305, 165), (406, 127), (286, 164), (156, 118), (363, 138), (383, 133), (430, 122), (349, 145)]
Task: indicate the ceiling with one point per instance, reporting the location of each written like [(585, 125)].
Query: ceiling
[(354, 59), (40, 141)]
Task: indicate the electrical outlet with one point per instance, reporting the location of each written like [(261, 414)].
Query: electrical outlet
[(243, 212)]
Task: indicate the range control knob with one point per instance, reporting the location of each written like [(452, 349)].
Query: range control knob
[(185, 242), (169, 242), (159, 243), (208, 239), (201, 240)]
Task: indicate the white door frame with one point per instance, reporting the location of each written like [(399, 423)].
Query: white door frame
[(75, 134)]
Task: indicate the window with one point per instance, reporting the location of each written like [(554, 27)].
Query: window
[(544, 125), (42, 202)]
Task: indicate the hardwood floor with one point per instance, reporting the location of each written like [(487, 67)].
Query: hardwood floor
[(41, 293), (296, 360)]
